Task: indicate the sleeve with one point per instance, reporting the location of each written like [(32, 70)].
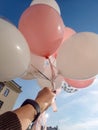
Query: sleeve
[(9, 121)]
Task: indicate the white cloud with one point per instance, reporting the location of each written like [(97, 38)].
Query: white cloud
[(87, 101), (91, 124), (83, 99), (94, 92), (59, 122), (94, 109)]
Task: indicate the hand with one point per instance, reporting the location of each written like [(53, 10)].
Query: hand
[(45, 98)]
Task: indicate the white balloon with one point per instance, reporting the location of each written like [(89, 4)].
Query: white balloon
[(51, 3), (14, 52), (53, 80), (78, 56), (43, 81), (29, 74), (37, 64)]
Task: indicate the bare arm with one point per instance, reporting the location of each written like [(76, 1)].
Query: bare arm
[(26, 113)]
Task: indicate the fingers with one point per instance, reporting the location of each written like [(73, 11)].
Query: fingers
[(45, 98), (46, 92)]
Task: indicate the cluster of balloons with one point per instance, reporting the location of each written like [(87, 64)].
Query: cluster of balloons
[(42, 47)]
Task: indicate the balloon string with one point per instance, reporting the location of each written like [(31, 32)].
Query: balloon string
[(52, 72), (51, 65), (41, 72), (53, 104)]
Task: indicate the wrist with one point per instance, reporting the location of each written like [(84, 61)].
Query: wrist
[(34, 105), (43, 105), (25, 115)]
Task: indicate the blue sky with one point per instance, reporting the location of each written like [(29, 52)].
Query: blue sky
[(79, 110)]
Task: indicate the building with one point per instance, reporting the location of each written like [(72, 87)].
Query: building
[(44, 128), (52, 128), (9, 92)]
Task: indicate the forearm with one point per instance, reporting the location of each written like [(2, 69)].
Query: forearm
[(18, 119), (26, 115)]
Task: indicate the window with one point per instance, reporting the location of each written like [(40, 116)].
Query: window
[(6, 92), (1, 86), (1, 103)]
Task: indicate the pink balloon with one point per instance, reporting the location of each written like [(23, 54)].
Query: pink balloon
[(79, 83), (43, 29), (54, 54), (68, 32)]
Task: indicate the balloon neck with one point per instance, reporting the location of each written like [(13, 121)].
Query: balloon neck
[(47, 57)]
